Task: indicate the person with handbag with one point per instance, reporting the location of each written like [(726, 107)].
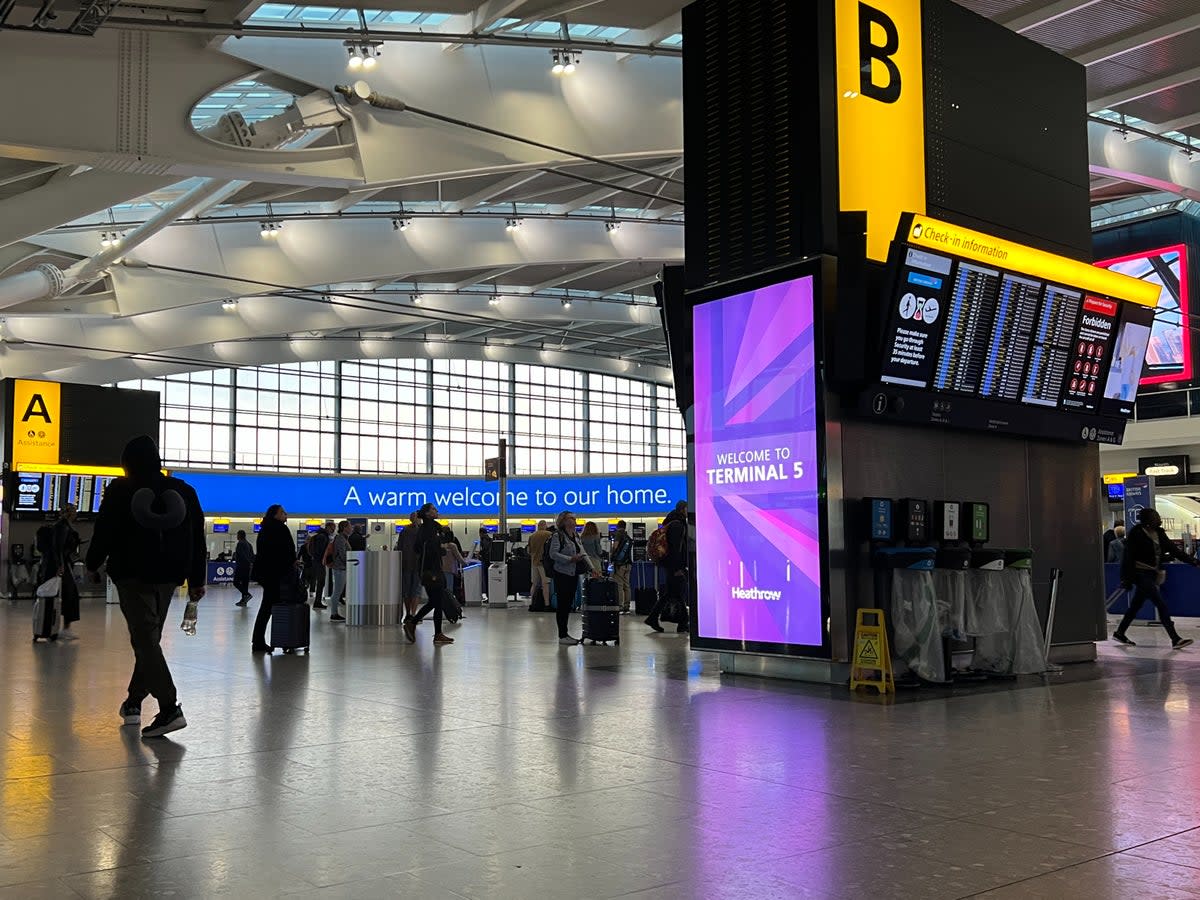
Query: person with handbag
[(1146, 546), (672, 603), (275, 566), (569, 563), (430, 547)]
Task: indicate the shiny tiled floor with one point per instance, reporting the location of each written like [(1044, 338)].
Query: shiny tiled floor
[(506, 766)]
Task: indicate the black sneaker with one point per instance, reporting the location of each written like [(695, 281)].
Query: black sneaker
[(320, 605), (1181, 643), (1121, 639), (165, 722), (131, 713), (653, 623), (242, 602), (682, 629), (337, 618)]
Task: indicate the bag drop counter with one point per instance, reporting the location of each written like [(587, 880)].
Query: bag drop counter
[(373, 584)]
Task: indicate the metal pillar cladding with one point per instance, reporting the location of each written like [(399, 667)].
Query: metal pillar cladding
[(373, 588), (503, 490)]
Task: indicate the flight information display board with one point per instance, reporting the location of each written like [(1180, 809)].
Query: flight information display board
[(984, 333)]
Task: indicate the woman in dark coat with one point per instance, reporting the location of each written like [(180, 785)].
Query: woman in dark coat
[(274, 565)]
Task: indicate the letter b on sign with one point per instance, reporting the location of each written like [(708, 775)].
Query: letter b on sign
[(873, 24)]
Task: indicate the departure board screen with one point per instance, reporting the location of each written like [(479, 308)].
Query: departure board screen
[(982, 344)]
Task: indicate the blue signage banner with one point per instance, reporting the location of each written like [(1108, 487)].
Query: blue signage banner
[(220, 572), (1139, 494), (225, 493)]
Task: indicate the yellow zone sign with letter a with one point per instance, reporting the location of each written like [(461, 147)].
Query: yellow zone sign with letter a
[(37, 422)]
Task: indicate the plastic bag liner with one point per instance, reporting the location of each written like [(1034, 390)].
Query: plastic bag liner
[(915, 625), (984, 613), (1020, 648), (950, 590), (50, 587)]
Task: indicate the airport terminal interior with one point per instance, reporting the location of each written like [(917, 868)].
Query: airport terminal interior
[(862, 418)]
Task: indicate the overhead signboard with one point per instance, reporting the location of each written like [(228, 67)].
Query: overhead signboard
[(880, 92), (37, 422), (987, 333)]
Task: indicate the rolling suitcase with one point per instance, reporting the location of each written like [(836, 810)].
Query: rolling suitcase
[(601, 612), (290, 626), (644, 600), (47, 611)]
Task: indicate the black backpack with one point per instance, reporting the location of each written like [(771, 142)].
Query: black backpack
[(161, 532)]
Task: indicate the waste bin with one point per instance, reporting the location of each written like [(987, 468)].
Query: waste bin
[(373, 587)]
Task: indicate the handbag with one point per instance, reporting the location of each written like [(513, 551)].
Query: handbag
[(51, 587)]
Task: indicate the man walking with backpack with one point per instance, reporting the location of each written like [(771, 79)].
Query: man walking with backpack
[(668, 546), (150, 532)]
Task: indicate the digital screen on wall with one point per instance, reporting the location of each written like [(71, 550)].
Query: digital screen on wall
[(759, 584), (986, 334), (1169, 353)]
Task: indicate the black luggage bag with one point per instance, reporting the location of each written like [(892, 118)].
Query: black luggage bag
[(601, 611), (290, 626), (644, 600)]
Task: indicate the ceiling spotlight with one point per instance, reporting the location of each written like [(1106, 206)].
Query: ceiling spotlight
[(416, 298), (612, 225), (355, 61), (512, 224), (563, 62), (566, 304), (401, 224), (275, 226), (493, 300), (229, 305), (106, 240), (264, 229)]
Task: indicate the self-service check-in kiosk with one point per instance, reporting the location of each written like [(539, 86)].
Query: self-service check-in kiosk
[(903, 565)]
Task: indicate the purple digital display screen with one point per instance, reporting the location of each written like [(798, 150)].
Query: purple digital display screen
[(758, 548)]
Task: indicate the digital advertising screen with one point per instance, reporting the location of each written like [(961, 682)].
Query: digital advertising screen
[(759, 584), (987, 334), (1169, 353)]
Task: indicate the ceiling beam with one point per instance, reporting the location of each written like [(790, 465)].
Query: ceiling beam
[(1044, 14), (349, 199), (1189, 121), (672, 24), (595, 197), (485, 277), (568, 277), (31, 173), (551, 13), (492, 190), (627, 333), (630, 285), (1145, 89), (489, 13), (1138, 40)]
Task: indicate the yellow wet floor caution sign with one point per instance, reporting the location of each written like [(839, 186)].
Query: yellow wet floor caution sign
[(872, 665)]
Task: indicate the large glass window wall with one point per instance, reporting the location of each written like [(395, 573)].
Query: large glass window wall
[(416, 416)]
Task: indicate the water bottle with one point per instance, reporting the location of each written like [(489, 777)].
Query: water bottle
[(189, 618)]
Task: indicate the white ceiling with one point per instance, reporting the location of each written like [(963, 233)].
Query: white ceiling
[(103, 143)]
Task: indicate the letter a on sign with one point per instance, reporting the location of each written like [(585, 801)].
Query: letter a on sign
[(881, 114), (36, 430)]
